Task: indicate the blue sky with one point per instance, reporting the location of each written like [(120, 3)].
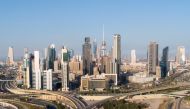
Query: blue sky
[(37, 23)]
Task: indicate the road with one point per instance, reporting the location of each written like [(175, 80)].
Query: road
[(126, 95), (178, 103)]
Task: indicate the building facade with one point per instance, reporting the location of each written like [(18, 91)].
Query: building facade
[(87, 57), (152, 57), (181, 59), (65, 69)]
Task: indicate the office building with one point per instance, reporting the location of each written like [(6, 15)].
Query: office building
[(181, 59), (71, 53), (37, 70), (65, 69), (133, 57), (94, 82), (10, 58), (152, 57), (116, 53), (26, 71), (75, 66), (103, 46), (158, 72), (164, 62), (48, 81), (87, 57), (51, 56), (94, 49)]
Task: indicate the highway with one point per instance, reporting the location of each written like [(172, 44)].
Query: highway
[(126, 95)]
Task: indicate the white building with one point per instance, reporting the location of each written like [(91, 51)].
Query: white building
[(117, 48), (65, 76), (37, 70), (133, 57), (116, 54), (142, 77), (10, 58), (26, 70), (65, 69), (49, 80), (181, 59)]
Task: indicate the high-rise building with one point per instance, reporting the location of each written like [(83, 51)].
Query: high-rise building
[(116, 53), (133, 57), (152, 57), (94, 49), (65, 69), (26, 71), (71, 53), (51, 56), (75, 66), (181, 59), (49, 79), (158, 72), (164, 62), (37, 70), (87, 57), (30, 70), (103, 46), (10, 58)]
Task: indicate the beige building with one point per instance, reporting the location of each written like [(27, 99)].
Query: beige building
[(158, 72), (94, 82), (75, 67), (152, 57)]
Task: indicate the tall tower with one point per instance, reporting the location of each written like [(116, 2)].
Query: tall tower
[(10, 58), (103, 46), (51, 56), (181, 60), (65, 68), (87, 57), (94, 49), (116, 53), (164, 62), (133, 57), (37, 70), (49, 79), (152, 57)]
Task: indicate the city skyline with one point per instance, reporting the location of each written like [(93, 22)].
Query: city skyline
[(94, 54), (23, 24)]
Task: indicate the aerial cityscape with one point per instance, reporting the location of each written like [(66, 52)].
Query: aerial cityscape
[(110, 54)]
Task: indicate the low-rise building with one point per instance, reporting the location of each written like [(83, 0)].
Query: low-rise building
[(94, 82)]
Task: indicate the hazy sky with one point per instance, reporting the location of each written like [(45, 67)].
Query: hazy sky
[(37, 23)]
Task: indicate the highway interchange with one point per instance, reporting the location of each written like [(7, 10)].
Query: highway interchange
[(7, 85)]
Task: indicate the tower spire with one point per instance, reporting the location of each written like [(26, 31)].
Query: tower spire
[(103, 33)]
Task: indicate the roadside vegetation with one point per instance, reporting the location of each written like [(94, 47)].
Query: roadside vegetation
[(122, 104)]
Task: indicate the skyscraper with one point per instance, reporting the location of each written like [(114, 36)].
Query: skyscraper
[(133, 57), (103, 46), (51, 56), (10, 58), (71, 53), (65, 69), (87, 57), (164, 62), (49, 79), (116, 53), (94, 49), (152, 57), (26, 70), (180, 59), (37, 70)]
